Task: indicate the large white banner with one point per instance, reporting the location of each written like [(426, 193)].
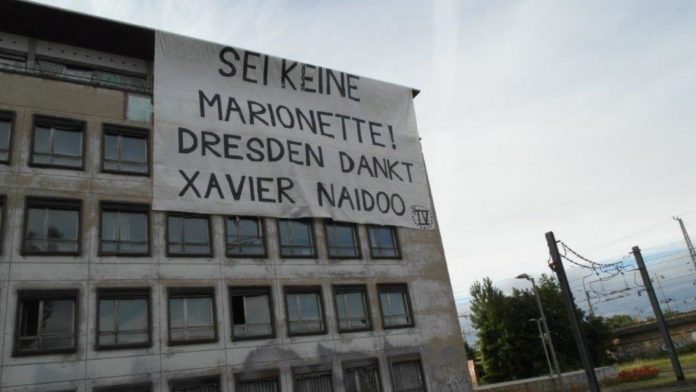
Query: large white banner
[(242, 133)]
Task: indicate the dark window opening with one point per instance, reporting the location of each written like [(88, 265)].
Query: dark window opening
[(207, 384), (5, 136), (407, 375), (251, 313), (142, 387), (46, 322), (313, 382), (264, 384), (363, 377)]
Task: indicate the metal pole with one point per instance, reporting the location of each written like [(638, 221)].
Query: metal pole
[(659, 318), (557, 266), (548, 335), (543, 344)]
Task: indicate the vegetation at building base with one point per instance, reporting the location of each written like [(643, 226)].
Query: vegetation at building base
[(508, 342), (633, 374)]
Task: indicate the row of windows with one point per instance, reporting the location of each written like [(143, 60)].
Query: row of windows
[(60, 143), (358, 376), (47, 320), (52, 227)]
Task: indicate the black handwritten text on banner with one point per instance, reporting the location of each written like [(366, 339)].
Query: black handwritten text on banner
[(242, 133)]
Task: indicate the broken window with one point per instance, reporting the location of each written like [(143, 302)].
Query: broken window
[(251, 312), (46, 322)]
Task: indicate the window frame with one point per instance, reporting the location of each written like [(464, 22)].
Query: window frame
[(391, 360), (107, 206), (396, 287), (136, 387), (188, 215), (58, 203), (312, 289), (42, 295), (50, 122), (191, 292), (248, 376), (361, 364), (356, 238), (9, 116), (193, 382), (123, 293), (3, 218), (312, 370), (129, 131), (351, 288), (262, 228), (397, 243), (312, 238), (243, 290)]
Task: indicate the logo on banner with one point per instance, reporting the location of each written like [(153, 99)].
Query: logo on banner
[(422, 216)]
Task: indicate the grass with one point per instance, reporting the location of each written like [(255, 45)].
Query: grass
[(666, 377)]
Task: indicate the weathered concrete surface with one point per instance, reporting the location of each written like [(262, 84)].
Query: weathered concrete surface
[(436, 334)]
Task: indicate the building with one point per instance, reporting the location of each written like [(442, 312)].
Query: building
[(100, 292), (643, 339)]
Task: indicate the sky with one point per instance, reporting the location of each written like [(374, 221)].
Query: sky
[(569, 116)]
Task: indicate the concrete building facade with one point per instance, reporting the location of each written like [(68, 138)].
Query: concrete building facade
[(100, 293)]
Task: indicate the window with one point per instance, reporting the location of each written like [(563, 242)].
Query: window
[(305, 312), (125, 150), (192, 316), (257, 381), (245, 237), (46, 322), (396, 308), (352, 308), (2, 219), (58, 143), (52, 226), (384, 243), (342, 240), (296, 238), (362, 376), (6, 121), (124, 229), (142, 387), (314, 382), (202, 384), (188, 235), (407, 374), (251, 313), (123, 319)]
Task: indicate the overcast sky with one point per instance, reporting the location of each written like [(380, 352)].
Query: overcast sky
[(572, 116)]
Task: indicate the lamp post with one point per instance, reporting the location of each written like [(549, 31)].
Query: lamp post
[(543, 344), (546, 328)]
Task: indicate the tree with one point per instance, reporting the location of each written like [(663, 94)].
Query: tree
[(619, 320), (509, 339)]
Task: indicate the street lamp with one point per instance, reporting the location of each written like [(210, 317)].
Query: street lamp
[(543, 343), (546, 328)]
